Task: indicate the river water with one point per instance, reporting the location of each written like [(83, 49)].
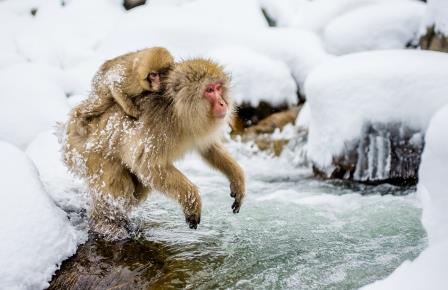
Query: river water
[(293, 231)]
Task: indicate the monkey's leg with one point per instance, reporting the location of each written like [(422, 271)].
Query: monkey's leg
[(141, 191), (220, 159), (170, 181), (112, 190), (125, 102)]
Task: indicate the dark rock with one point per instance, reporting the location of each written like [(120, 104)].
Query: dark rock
[(434, 40), (384, 154), (275, 121), (250, 116), (271, 21), (129, 4)]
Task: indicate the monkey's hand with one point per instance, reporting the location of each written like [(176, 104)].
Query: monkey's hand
[(237, 192), (192, 209), (133, 112)]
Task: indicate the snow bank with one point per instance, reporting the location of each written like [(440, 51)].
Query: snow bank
[(382, 26), (29, 106), (66, 190), (345, 93), (35, 235), (66, 35), (428, 271), (312, 15), (437, 14), (205, 14), (256, 77), (188, 29)]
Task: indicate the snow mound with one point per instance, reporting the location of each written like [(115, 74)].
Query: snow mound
[(256, 77), (428, 271), (396, 86), (32, 105), (313, 15), (382, 26), (436, 14), (71, 40), (66, 190), (234, 13), (35, 235)]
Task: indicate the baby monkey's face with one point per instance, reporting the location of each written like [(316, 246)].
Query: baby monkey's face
[(154, 80)]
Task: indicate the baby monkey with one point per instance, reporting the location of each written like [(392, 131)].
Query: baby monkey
[(123, 78)]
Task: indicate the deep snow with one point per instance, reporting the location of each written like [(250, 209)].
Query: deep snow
[(36, 235)]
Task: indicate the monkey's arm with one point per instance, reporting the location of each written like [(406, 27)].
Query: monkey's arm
[(220, 159), (124, 100), (94, 108), (169, 180)]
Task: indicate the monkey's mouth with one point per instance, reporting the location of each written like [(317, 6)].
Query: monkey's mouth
[(220, 108)]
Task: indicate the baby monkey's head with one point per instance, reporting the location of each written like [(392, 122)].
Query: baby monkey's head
[(152, 66)]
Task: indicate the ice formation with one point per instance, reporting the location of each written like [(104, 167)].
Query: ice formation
[(351, 93)]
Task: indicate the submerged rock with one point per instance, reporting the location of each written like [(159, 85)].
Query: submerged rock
[(385, 153), (125, 264)]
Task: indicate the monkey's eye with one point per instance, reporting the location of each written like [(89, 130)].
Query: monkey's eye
[(209, 90), (153, 75)]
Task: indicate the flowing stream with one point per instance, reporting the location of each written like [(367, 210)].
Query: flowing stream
[(293, 232)]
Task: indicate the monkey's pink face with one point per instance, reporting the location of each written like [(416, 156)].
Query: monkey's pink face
[(214, 93)]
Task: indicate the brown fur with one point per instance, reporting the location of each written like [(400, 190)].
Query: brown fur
[(121, 80), (123, 159)]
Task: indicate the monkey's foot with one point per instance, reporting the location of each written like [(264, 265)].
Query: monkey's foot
[(193, 221), (110, 231), (236, 204)]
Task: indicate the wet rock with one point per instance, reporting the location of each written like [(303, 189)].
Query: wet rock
[(386, 153), (433, 40), (125, 264), (261, 133)]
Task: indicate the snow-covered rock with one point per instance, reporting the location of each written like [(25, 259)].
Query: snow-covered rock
[(437, 15), (35, 235), (354, 93), (32, 100), (434, 29), (428, 271), (381, 26), (313, 15)]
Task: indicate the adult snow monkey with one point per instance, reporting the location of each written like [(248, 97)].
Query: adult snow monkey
[(122, 79), (123, 159)]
